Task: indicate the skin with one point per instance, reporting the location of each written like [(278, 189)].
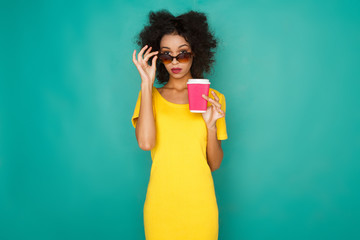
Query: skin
[(175, 90)]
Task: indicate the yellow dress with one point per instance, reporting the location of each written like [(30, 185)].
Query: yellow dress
[(180, 200)]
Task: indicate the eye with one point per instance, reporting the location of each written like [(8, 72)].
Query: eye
[(166, 52)]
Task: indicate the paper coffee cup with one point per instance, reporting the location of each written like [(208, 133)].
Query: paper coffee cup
[(196, 88)]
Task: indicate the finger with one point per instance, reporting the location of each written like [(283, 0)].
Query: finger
[(148, 56), (215, 101), (215, 96), (147, 51), (154, 61), (141, 53), (134, 57), (212, 101), (219, 111), (137, 63)]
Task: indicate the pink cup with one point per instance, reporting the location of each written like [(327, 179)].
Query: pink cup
[(196, 88)]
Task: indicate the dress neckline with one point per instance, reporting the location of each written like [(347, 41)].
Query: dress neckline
[(171, 103)]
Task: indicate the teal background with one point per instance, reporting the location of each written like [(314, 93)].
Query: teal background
[(70, 166)]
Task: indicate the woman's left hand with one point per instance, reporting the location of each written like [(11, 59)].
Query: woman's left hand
[(213, 111)]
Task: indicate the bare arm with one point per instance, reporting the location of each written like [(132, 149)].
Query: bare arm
[(214, 151), (145, 126)]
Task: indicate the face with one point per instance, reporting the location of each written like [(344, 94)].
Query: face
[(174, 45)]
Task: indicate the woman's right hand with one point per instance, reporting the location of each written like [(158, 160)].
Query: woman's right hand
[(147, 72)]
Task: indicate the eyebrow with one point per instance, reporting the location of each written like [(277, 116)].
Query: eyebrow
[(179, 46)]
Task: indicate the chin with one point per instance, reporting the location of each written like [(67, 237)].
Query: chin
[(177, 75)]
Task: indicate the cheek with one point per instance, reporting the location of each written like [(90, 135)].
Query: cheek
[(190, 64)]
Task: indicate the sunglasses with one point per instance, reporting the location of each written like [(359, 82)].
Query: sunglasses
[(182, 57)]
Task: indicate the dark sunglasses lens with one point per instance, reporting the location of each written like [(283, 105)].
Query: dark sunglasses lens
[(184, 57), (165, 58)]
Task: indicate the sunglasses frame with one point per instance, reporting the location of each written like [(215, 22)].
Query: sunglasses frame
[(172, 58)]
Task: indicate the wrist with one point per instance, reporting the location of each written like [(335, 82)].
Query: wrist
[(146, 85), (212, 127)]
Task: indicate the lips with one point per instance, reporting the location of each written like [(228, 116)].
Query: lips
[(176, 70)]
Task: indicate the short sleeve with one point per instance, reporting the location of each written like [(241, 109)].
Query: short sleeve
[(220, 123), (136, 110)]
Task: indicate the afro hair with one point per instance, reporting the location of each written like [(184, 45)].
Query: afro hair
[(193, 27)]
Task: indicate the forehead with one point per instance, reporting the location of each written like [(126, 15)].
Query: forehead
[(173, 41)]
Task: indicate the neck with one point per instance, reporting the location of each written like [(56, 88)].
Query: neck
[(178, 83)]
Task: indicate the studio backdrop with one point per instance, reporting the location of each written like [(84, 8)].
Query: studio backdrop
[(70, 165)]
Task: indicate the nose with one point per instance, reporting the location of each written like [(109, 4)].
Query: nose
[(174, 59)]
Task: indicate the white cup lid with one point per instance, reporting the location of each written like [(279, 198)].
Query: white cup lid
[(198, 81)]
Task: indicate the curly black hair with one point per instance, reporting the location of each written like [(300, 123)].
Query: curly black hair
[(193, 27)]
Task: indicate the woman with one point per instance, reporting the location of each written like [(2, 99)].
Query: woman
[(185, 147)]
